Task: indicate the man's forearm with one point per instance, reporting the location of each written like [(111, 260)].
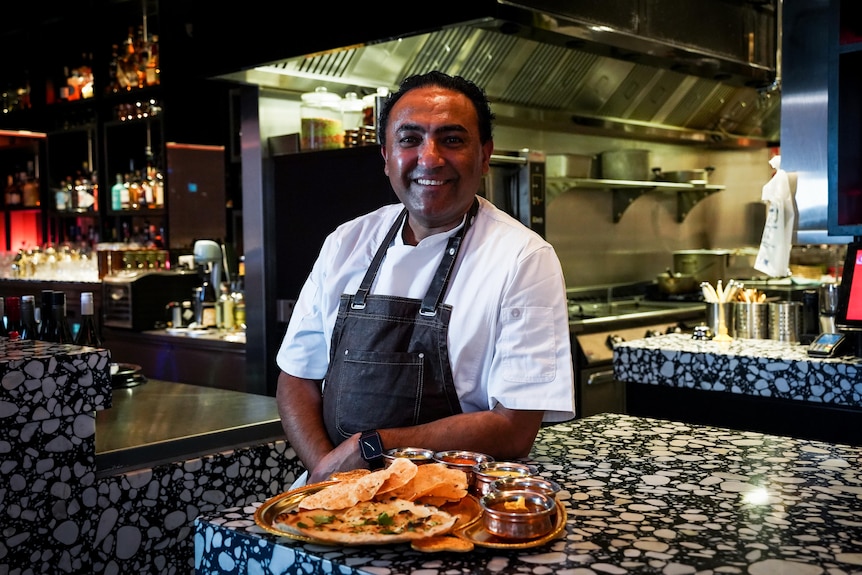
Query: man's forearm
[(299, 406)]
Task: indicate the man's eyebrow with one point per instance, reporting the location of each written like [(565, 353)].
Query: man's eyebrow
[(440, 130)]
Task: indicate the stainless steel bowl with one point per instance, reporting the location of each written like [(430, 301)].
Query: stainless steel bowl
[(518, 514), (532, 483), (417, 455), (486, 473), (463, 460)]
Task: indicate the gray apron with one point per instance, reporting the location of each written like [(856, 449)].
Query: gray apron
[(389, 365)]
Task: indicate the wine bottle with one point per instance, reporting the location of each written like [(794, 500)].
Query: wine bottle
[(46, 312), (60, 325), (3, 331), (224, 309), (13, 315), (238, 296), (29, 327), (88, 333)]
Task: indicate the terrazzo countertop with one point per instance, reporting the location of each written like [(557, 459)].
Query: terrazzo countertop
[(756, 367), (642, 496)]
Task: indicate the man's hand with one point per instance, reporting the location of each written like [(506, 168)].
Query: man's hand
[(343, 458)]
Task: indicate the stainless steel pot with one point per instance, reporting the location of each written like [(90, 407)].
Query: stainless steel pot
[(676, 283), (684, 176), (705, 265), (626, 165)]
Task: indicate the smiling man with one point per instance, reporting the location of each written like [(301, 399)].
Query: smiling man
[(439, 322)]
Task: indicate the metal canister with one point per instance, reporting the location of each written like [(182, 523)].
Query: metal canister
[(810, 312)]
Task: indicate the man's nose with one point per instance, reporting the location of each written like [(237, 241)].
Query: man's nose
[(429, 155)]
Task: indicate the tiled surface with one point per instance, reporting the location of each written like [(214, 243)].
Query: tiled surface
[(59, 515), (757, 367), (40, 380), (643, 496)]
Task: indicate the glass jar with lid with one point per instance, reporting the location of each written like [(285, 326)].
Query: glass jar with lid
[(322, 127)]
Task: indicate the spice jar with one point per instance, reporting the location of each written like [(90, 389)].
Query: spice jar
[(321, 121)]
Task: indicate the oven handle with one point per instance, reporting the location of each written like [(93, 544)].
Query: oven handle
[(601, 377)]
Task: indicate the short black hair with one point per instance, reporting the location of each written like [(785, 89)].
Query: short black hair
[(436, 78)]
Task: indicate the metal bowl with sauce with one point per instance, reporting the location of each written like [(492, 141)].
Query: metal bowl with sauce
[(532, 483), (417, 455), (486, 473), (518, 514), (463, 460)]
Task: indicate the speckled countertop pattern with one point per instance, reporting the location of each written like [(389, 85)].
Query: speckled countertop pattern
[(642, 495), (757, 367)]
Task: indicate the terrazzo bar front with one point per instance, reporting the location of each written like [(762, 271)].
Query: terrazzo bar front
[(754, 384), (100, 480), (642, 495)]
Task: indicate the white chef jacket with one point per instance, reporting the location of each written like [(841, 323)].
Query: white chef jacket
[(509, 331)]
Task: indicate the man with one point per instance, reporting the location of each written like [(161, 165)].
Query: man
[(440, 322)]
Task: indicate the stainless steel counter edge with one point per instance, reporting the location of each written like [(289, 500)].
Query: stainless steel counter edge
[(160, 422)]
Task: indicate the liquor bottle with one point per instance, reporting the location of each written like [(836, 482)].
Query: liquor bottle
[(3, 331), (136, 192), (117, 194), (13, 191), (208, 303), (113, 68), (88, 333), (13, 315), (153, 65), (224, 309), (60, 324), (29, 183), (238, 296), (29, 327)]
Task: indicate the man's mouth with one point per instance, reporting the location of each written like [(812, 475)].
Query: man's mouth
[(428, 182)]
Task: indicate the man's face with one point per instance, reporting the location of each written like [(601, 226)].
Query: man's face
[(434, 158)]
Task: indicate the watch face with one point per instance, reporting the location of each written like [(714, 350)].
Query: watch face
[(371, 446)]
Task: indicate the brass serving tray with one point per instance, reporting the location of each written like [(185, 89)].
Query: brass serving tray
[(284, 503), (468, 510), (469, 527)]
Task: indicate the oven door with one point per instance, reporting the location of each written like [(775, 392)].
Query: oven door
[(515, 184), (599, 391)]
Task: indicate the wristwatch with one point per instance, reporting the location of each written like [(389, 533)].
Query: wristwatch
[(371, 448)]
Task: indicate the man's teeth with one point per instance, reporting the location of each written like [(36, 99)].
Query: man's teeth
[(424, 182)]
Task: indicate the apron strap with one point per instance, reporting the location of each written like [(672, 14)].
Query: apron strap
[(440, 281), (365, 286), (441, 278)]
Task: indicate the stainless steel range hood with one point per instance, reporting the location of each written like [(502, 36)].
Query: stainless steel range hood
[(568, 67)]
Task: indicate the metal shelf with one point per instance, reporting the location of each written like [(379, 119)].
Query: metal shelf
[(625, 192)]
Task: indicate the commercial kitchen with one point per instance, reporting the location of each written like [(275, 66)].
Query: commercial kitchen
[(651, 132)]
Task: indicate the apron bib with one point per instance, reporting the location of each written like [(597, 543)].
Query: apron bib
[(389, 365)]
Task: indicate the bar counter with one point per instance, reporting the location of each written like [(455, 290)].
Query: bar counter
[(642, 496), (159, 421), (755, 384), (101, 480)]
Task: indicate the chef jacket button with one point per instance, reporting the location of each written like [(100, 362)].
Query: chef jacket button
[(516, 313)]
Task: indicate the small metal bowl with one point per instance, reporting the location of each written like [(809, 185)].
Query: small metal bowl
[(537, 484), (518, 514), (486, 473), (463, 460), (417, 455)]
